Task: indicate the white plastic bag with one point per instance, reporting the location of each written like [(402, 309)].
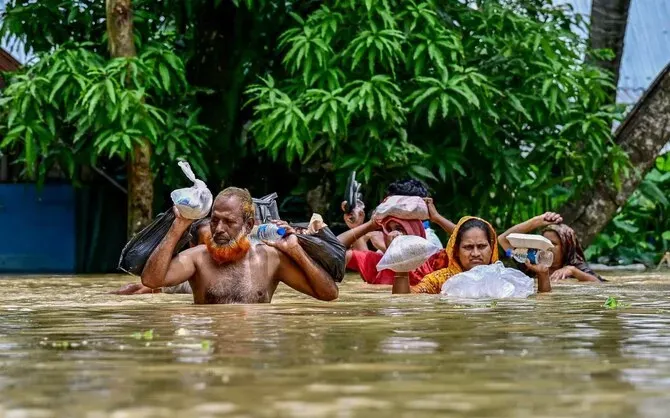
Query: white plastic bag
[(432, 237), (403, 207), (494, 281), (316, 224), (406, 253), (193, 202)]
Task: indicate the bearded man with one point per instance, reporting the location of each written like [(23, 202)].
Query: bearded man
[(228, 269)]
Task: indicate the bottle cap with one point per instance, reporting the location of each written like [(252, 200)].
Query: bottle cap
[(281, 231), (508, 252), (426, 224)]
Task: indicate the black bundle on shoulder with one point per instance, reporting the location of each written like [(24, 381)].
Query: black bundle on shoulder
[(326, 250), (138, 250)]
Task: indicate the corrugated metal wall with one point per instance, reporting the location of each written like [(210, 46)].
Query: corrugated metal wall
[(11, 45), (646, 45)]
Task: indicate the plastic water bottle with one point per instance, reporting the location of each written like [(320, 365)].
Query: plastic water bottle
[(266, 232), (431, 236), (535, 256)]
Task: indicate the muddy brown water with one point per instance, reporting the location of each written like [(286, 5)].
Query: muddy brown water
[(67, 349)]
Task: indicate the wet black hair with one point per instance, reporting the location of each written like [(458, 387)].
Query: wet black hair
[(472, 224), (408, 187)]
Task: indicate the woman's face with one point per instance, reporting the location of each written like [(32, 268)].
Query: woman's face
[(391, 230), (557, 250), (474, 249)]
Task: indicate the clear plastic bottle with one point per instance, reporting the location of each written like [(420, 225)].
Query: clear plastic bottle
[(253, 236), (266, 232), (431, 235), (535, 256)]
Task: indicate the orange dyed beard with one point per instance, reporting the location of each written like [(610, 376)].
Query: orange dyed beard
[(222, 254)]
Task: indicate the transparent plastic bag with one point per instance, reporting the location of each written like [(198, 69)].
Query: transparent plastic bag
[(432, 237), (403, 207), (407, 253), (494, 281), (192, 202)]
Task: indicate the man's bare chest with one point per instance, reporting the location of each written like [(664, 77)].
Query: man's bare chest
[(233, 283)]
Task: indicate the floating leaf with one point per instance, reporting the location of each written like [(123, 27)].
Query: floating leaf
[(613, 303)]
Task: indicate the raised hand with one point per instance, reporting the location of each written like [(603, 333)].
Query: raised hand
[(538, 269), (180, 220), (550, 218), (432, 210), (356, 217)]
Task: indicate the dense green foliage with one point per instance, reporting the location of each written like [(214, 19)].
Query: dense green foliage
[(75, 106), (489, 102), (640, 232)]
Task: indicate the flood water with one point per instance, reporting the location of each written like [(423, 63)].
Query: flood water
[(67, 349)]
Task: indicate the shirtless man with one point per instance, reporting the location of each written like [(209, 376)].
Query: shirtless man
[(228, 269)]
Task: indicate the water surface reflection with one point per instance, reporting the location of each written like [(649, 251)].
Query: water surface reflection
[(69, 349)]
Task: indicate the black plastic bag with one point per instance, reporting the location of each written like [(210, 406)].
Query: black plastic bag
[(352, 193), (326, 250), (138, 250), (266, 208)]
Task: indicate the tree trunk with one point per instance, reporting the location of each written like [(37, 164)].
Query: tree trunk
[(608, 30), (318, 199), (140, 177), (642, 135)]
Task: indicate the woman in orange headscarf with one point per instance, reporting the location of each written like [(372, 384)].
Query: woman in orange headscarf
[(473, 243)]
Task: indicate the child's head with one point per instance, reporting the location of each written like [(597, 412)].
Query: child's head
[(200, 230), (408, 187), (567, 250)]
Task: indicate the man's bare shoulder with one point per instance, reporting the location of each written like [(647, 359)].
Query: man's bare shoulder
[(195, 254), (265, 252), (269, 257)]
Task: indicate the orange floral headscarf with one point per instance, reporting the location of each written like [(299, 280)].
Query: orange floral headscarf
[(432, 283)]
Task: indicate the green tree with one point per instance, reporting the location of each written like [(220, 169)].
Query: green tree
[(77, 106), (490, 102), (640, 231), (119, 17), (642, 136)]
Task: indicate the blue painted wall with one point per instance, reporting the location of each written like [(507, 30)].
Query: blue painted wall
[(37, 229)]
